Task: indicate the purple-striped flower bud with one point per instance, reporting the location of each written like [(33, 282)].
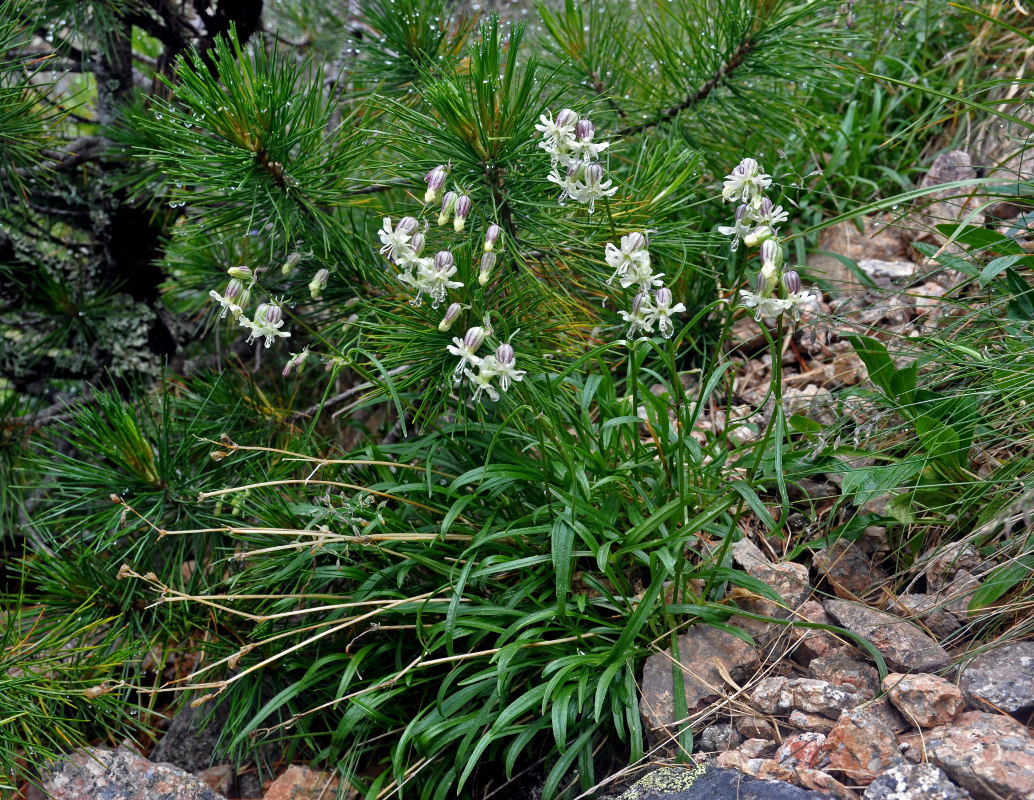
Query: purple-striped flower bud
[(233, 289), (505, 356), (492, 236), (566, 117), (274, 313), (637, 242), (747, 166), (462, 212), (637, 302), (319, 280), (473, 338), (296, 360), (408, 226), (663, 297), (417, 243), (791, 281), (771, 253), (594, 174), (741, 212), (761, 286), (239, 272), (443, 260), (764, 207), (448, 207), (435, 180), (485, 271), (451, 313), (584, 130)]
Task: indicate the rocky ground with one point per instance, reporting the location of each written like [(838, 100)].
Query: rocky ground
[(804, 714)]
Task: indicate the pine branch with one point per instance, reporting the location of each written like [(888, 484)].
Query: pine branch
[(737, 58)]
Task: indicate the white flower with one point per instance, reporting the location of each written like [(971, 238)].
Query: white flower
[(745, 183), (482, 383), (592, 187), (396, 242), (740, 228), (770, 215), (267, 323), (227, 304), (569, 183), (766, 306), (583, 146), (633, 255), (640, 318), (465, 349), (503, 364), (662, 311), (557, 135)]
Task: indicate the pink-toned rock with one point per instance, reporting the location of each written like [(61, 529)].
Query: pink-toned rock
[(805, 749), (756, 748), (901, 643), (783, 695), (861, 746), (813, 643), (769, 770), (928, 611), (219, 778), (948, 561), (302, 783), (949, 205), (847, 672), (852, 573), (121, 775), (875, 240), (926, 700), (810, 722), (824, 782), (991, 755), (750, 726), (705, 652), (885, 712)]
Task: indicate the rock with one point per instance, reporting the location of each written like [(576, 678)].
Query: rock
[(1002, 677), (810, 722), (1007, 154), (752, 727), (783, 695), (812, 642), (928, 611), (302, 783), (949, 205), (914, 782), (671, 783), (748, 555), (218, 778), (885, 712), (702, 649), (902, 644), (99, 773), (756, 748), (884, 273), (991, 755), (956, 595), (806, 749), (876, 240), (948, 561), (825, 783), (852, 573), (926, 700), (716, 738), (861, 746), (192, 740), (841, 669), (913, 747)]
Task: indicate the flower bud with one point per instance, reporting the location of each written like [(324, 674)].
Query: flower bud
[(584, 130), (761, 286), (594, 174), (504, 355), (771, 253), (662, 297), (451, 313), (296, 360), (462, 212), (233, 289), (492, 236), (637, 302), (291, 262), (239, 272), (319, 280), (435, 180), (443, 260), (417, 243), (747, 166), (448, 207), (791, 281), (473, 338), (566, 117), (636, 242), (274, 313), (485, 271), (764, 207), (407, 225)]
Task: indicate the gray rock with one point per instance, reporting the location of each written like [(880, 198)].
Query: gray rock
[(949, 205), (702, 649), (102, 774), (852, 573), (991, 755), (884, 273), (783, 695), (1002, 677), (850, 674), (927, 610), (876, 240), (716, 738), (943, 565), (914, 782), (192, 740), (753, 727), (902, 644), (671, 783), (956, 595)]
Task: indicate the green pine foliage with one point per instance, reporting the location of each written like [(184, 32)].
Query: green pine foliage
[(428, 584)]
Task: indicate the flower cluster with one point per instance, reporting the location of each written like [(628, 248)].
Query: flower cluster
[(403, 244), (269, 317), (652, 304), (500, 365), (574, 157), (756, 224)]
